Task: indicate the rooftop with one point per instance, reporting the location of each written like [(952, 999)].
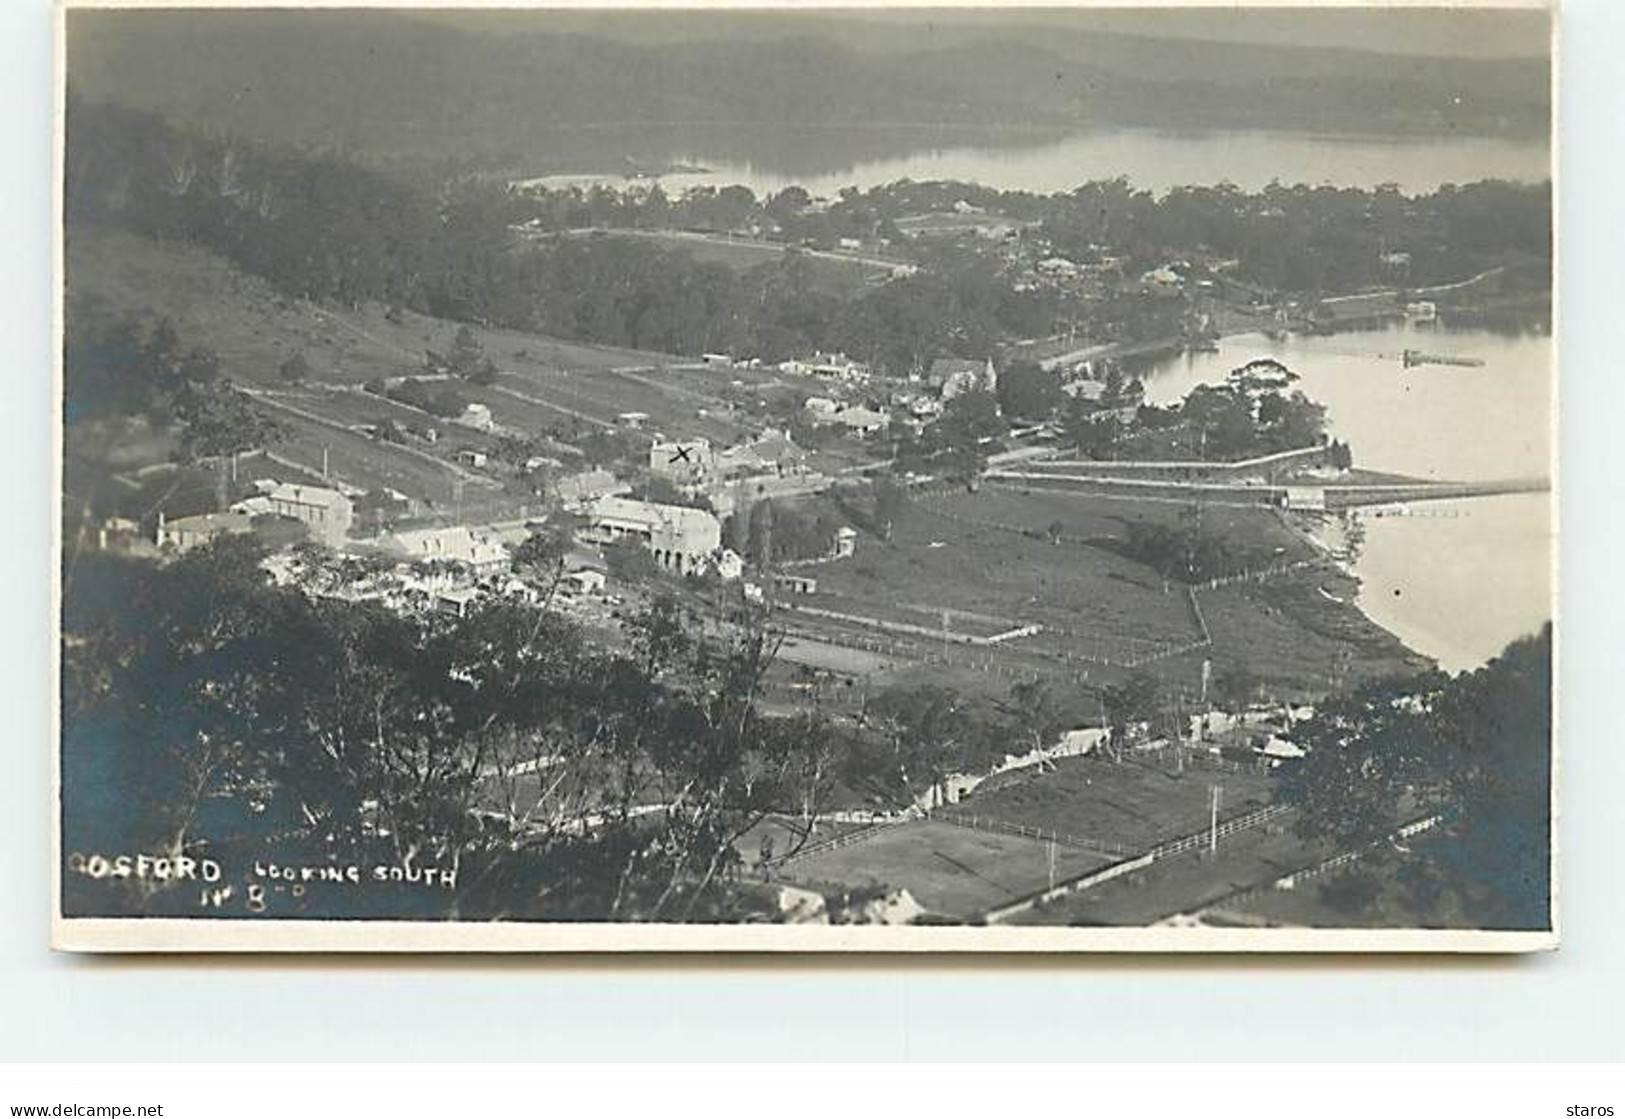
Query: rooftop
[(677, 517), (298, 494)]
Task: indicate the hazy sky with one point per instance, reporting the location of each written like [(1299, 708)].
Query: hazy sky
[(1424, 31), (1446, 32)]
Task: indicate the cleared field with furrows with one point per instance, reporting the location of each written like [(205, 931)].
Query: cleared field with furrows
[(950, 870), (254, 328), (1136, 804)]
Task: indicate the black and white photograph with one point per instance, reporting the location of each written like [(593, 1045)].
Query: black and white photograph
[(835, 479)]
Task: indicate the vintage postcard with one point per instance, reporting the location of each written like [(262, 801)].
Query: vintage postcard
[(830, 479)]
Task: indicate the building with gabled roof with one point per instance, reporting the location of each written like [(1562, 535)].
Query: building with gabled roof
[(683, 462), (327, 513), (184, 533), (456, 543), (681, 539)]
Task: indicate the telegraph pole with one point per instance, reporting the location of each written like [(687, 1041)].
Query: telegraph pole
[(1213, 826)]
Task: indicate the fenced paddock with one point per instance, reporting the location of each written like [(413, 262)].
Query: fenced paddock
[(1131, 807), (785, 833), (950, 870), (1094, 605)]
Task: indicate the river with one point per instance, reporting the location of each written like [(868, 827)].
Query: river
[(1454, 580), (826, 160)]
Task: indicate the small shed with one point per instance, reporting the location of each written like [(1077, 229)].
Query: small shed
[(796, 584)]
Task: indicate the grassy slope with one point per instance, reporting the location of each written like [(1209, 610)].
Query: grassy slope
[(837, 277), (254, 329), (1138, 804), (1094, 600)]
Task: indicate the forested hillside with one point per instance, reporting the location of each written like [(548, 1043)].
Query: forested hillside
[(319, 226), (425, 90)]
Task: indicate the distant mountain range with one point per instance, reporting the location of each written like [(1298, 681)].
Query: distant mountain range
[(497, 86)]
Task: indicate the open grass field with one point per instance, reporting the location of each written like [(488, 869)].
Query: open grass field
[(736, 381), (354, 408), (951, 871), (1184, 883), (833, 273), (600, 396), (344, 404), (1298, 641), (1091, 601), (838, 659), (370, 464), (1255, 536), (1135, 804), (784, 833), (922, 616)]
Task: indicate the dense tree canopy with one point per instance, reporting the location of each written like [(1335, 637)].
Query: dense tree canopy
[(1475, 750), (321, 227), (206, 712)]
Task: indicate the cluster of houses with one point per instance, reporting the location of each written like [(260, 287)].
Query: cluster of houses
[(829, 367), (327, 515), (914, 404), (771, 465)]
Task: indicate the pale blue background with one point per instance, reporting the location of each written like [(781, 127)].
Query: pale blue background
[(1566, 1006)]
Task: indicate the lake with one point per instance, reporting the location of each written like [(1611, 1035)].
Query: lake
[(1455, 580), (824, 160)]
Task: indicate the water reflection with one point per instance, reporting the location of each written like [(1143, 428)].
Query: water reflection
[(824, 160), (1455, 580)]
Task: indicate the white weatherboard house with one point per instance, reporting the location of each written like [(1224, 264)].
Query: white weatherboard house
[(456, 543), (680, 539), (326, 512), (683, 462)]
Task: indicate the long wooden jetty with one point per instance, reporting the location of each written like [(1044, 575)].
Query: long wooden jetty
[(1324, 496)]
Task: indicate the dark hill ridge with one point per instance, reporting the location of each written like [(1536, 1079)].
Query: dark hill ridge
[(393, 85)]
